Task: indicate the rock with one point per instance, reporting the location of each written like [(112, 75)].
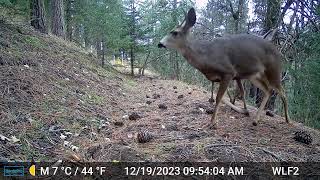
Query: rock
[(118, 123), (148, 102), (174, 87), (189, 92), (78, 91), (196, 111), (172, 127), (209, 110), (162, 106), (269, 113), (180, 96), (93, 151), (211, 100), (134, 116), (147, 96), (156, 96), (175, 91)]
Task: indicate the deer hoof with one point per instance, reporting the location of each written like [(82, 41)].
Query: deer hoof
[(210, 125), (255, 123), (211, 100), (213, 126), (246, 112)]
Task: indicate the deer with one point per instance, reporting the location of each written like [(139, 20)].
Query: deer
[(233, 57)]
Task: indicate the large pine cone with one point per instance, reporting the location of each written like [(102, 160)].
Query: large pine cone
[(144, 136), (303, 137)]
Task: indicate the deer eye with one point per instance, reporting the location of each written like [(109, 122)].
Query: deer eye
[(174, 33)]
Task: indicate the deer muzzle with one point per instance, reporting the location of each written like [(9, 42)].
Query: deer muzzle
[(160, 45)]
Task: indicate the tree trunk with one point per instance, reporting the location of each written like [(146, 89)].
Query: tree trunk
[(69, 24), (239, 15), (86, 37), (132, 61), (177, 69), (145, 63), (133, 35), (58, 18), (103, 52), (98, 48), (38, 20)]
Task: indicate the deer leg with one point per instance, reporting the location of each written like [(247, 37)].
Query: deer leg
[(263, 85), (232, 99), (281, 92), (222, 89), (211, 100), (242, 94)]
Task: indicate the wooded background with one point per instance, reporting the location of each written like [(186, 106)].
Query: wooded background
[(130, 30)]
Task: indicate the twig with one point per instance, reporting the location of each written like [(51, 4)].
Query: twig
[(217, 145), (271, 153)]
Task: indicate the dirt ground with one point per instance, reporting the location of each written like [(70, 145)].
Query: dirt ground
[(178, 136)]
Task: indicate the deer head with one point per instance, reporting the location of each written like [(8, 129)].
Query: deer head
[(178, 37)]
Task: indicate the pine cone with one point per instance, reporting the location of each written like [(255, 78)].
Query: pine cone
[(303, 137), (144, 136)]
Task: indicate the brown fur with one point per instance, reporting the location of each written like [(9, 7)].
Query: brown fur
[(234, 57)]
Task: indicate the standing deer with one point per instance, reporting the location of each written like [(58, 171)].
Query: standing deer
[(230, 58)]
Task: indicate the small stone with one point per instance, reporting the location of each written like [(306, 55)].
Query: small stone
[(175, 91), (226, 135), (269, 113), (189, 92), (209, 110), (162, 106), (147, 96), (134, 116), (174, 87), (196, 111), (148, 102), (118, 123), (180, 96), (211, 100), (156, 96), (78, 91), (172, 127)]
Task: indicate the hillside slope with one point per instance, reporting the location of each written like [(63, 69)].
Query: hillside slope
[(56, 103)]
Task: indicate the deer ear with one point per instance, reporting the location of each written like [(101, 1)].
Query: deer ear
[(190, 19)]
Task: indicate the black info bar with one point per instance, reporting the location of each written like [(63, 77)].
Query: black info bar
[(160, 170)]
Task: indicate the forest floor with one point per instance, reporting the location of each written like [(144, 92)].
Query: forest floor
[(56, 103)]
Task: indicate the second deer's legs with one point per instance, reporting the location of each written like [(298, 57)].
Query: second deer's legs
[(222, 89), (263, 85), (242, 94), (211, 100), (281, 92)]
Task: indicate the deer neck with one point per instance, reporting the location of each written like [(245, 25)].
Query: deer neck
[(190, 54)]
